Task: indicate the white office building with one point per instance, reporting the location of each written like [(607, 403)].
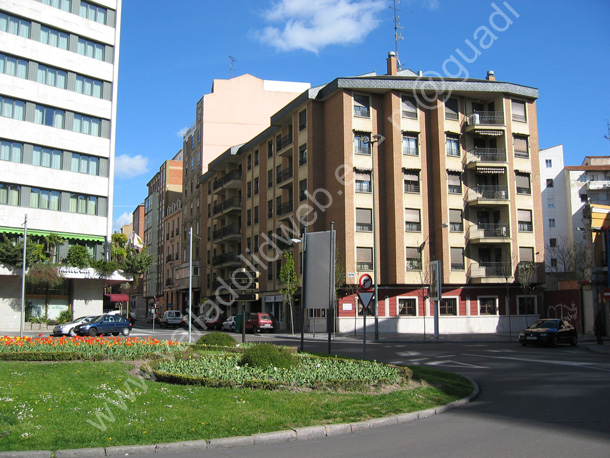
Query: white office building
[(58, 100)]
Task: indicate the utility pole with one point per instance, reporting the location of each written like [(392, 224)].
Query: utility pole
[(232, 60)]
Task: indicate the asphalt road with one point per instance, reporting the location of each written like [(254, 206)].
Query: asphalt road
[(533, 402)]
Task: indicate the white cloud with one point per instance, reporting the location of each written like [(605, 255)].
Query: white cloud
[(122, 220), (181, 132), (130, 166), (428, 4), (311, 25)]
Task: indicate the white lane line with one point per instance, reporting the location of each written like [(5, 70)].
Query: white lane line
[(558, 363)]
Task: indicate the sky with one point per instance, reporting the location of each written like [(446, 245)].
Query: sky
[(171, 51)]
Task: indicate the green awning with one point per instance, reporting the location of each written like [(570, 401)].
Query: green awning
[(65, 235)]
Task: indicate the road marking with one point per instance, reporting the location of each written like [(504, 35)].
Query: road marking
[(558, 363), (452, 363)]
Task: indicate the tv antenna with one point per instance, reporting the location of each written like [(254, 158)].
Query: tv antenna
[(607, 137), (397, 27), (232, 60)]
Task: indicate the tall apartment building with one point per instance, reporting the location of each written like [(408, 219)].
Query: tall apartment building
[(58, 95), (233, 112), (163, 188), (451, 163)]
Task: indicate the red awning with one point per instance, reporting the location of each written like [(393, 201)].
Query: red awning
[(118, 297)]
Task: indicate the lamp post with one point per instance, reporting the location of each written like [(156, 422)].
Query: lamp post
[(25, 242), (375, 139), (190, 298)]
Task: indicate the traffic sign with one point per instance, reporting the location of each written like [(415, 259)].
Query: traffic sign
[(365, 281), (365, 297), (247, 297)]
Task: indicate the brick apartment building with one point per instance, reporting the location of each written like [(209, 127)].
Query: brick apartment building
[(453, 163)]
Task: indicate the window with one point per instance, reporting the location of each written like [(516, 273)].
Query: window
[(364, 259), (521, 146), (524, 220), (11, 151), (256, 214), (518, 109), (269, 148), (90, 48), (248, 217), (456, 221), (407, 306), (53, 38), (80, 203), (523, 183), (362, 106), (10, 108), (13, 66), (584, 197), (412, 220), (454, 182), (47, 116), (269, 178), (448, 306), (551, 222), (302, 120), (413, 258), (303, 154), (488, 306), (249, 162), (552, 243), (89, 126), (364, 220), (526, 254), (553, 262), (16, 26), (363, 181), (548, 163), (84, 164), (51, 76), (256, 186), (457, 258), (52, 158), (249, 189), (269, 209), (411, 181), (549, 182), (451, 109), (302, 190), (409, 144), (255, 157), (95, 13), (409, 107), (64, 5), (452, 145), (526, 305), (362, 143), (9, 194), (44, 199)]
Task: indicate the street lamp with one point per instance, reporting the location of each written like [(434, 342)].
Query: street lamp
[(190, 298), (375, 139)]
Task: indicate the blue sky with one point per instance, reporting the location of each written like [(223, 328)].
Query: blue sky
[(171, 51)]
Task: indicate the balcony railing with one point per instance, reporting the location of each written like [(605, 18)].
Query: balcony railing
[(223, 258), (284, 208), (478, 118), (232, 202), (491, 269), (233, 175), (489, 230), (283, 175), (492, 192), (284, 142), (231, 229), (488, 154)]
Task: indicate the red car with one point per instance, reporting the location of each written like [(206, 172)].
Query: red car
[(259, 322), (215, 324)]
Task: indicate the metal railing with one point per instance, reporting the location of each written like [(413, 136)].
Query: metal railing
[(283, 175), (489, 154), (232, 175), (476, 118), (494, 192)]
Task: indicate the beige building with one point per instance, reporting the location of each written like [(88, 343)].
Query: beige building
[(453, 165)]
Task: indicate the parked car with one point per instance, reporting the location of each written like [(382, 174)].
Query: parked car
[(171, 318), (549, 332), (105, 324), (215, 322), (258, 322), (67, 329), (229, 324)]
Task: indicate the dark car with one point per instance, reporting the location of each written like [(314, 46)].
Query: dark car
[(215, 322), (259, 322), (105, 324), (549, 332)]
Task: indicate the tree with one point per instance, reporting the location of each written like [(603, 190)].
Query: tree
[(78, 256), (288, 276)]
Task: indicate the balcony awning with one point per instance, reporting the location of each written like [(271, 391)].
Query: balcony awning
[(490, 170), (117, 297), (66, 235), (491, 133)]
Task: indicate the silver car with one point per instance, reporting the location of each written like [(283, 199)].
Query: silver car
[(67, 329)]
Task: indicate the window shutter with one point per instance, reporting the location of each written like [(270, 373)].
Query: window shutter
[(412, 215)]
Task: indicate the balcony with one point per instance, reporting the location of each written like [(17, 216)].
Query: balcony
[(283, 144), (485, 156), (231, 180), (228, 259), (598, 185), (488, 233), (230, 232), (490, 272), (230, 205), (487, 195), (169, 282), (490, 123), (169, 258), (285, 208), (283, 176)]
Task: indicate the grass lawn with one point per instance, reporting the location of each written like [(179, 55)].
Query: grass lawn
[(53, 406)]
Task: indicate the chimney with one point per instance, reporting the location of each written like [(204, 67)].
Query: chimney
[(490, 75), (392, 64)]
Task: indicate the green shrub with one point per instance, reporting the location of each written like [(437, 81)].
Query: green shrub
[(217, 339), (268, 355), (65, 317)]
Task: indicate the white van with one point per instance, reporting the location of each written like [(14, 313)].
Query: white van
[(171, 318)]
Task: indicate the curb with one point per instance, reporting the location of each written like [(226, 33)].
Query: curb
[(295, 434)]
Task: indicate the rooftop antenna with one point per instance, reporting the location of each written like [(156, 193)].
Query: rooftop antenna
[(397, 27), (232, 61), (607, 137)]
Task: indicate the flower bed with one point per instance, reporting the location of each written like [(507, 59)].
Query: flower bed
[(310, 372), (89, 347)]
